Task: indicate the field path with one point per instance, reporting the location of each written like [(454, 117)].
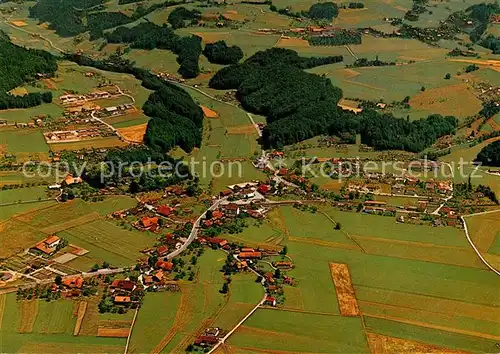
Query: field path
[(466, 229)]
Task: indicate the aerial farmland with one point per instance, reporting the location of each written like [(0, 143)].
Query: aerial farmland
[(249, 176)]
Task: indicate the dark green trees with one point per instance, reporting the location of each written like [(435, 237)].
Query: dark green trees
[(220, 53)]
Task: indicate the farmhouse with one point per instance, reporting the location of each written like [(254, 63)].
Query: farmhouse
[(206, 340), (165, 265), (122, 284), (49, 245), (271, 301), (232, 209), (122, 300), (250, 255), (148, 223), (69, 180), (72, 283), (165, 210)]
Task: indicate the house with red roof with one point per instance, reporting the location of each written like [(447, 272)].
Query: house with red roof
[(123, 284), (73, 283), (148, 223), (271, 301), (232, 209), (49, 245), (250, 255), (162, 250), (165, 265), (165, 210), (264, 188), (122, 300)]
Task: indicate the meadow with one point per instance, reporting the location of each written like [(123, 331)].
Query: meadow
[(23, 141)]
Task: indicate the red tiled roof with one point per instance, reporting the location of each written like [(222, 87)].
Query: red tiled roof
[(148, 222), (122, 299), (51, 239), (250, 254), (162, 250), (206, 340), (264, 188), (165, 210), (165, 265), (123, 284)]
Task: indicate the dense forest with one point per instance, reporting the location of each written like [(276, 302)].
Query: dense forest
[(220, 53), (148, 36), (180, 16), (299, 105), (322, 11), (19, 65), (176, 120), (490, 154), (72, 17), (338, 37)]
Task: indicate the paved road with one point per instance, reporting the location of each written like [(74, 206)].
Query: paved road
[(194, 230), (33, 34)]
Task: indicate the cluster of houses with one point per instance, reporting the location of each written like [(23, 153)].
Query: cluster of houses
[(115, 111), (78, 134), (122, 292), (48, 246), (76, 99), (209, 337)]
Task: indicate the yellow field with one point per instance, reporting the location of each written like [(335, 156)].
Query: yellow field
[(82, 308), (345, 292), (455, 100), (109, 142), (29, 311), (209, 113), (134, 134), (19, 23), (291, 42)]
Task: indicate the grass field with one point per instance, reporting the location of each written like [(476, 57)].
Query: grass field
[(22, 194), (23, 141), (107, 242), (163, 308)]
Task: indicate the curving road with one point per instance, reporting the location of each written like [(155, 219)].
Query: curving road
[(194, 230)]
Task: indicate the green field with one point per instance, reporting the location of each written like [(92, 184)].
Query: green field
[(162, 307), (22, 194), (108, 242), (300, 332), (23, 141), (7, 212)]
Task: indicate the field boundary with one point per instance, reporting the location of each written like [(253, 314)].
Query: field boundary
[(82, 308), (319, 242), (346, 297)]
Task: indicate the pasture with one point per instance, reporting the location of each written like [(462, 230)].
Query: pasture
[(23, 141)]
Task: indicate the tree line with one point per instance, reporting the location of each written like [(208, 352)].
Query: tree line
[(148, 36), (19, 65), (298, 105), (72, 17), (337, 37), (490, 154)]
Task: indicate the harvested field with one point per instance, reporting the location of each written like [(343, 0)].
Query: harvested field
[(65, 258), (209, 113), (82, 308), (494, 64), (345, 292), (241, 129), (134, 133), (484, 230), (349, 73), (456, 100), (290, 42), (380, 344), (19, 23), (19, 91), (70, 223), (113, 332), (29, 311)]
